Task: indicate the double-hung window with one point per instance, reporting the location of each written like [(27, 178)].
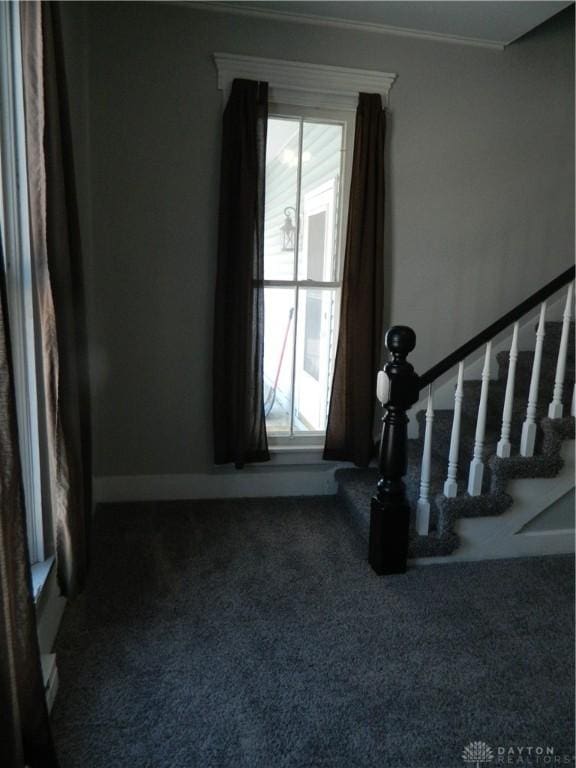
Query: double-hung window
[(308, 157), (311, 116)]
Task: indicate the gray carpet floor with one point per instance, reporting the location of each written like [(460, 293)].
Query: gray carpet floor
[(253, 634)]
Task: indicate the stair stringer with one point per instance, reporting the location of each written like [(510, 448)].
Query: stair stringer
[(501, 536)]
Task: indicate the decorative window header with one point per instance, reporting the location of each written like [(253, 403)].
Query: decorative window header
[(301, 84)]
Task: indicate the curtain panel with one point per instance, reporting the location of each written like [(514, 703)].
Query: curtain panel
[(25, 737), (59, 288), (349, 432), (238, 405)]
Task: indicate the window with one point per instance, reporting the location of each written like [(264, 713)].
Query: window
[(309, 155), (15, 234), (307, 163)]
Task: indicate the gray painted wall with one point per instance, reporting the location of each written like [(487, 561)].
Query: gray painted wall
[(479, 211)]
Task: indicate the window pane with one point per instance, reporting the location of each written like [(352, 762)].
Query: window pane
[(315, 350), (322, 145), (281, 193), (278, 358), (312, 333), (316, 242)]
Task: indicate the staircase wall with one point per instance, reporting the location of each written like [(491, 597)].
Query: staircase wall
[(558, 516)]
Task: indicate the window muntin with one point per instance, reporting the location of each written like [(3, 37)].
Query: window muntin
[(305, 166)]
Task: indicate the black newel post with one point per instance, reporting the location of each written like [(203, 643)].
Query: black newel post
[(390, 513)]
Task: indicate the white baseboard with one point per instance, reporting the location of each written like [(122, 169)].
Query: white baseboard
[(250, 482), (534, 545), (49, 611)]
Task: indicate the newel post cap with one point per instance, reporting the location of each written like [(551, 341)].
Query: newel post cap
[(400, 340)]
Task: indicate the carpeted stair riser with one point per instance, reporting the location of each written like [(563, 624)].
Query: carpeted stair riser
[(358, 486)]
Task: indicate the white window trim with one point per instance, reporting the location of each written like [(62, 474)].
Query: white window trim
[(307, 447), (18, 260), (290, 448), (303, 84)]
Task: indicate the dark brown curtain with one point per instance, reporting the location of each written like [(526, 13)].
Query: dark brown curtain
[(238, 406), (25, 738), (349, 434), (59, 288)]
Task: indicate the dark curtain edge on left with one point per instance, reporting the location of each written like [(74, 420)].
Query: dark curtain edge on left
[(239, 424)]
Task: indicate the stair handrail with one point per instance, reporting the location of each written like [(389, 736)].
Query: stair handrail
[(495, 328)]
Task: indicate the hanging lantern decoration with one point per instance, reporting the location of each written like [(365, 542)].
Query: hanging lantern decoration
[(288, 230)]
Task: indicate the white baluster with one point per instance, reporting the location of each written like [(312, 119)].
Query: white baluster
[(503, 448), (529, 427), (555, 409), (477, 465), (451, 486), (423, 507)]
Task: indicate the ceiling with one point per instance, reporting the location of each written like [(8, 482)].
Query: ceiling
[(495, 23)]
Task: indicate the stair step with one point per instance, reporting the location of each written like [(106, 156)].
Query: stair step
[(358, 486)]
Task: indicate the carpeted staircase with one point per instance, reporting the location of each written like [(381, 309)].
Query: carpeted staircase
[(357, 486)]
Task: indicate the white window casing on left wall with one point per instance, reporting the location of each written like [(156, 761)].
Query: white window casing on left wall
[(17, 250), (18, 263)]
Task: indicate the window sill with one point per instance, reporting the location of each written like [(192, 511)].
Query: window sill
[(297, 454), (40, 573)]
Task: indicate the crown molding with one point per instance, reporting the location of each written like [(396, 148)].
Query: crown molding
[(304, 84), (219, 6)]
